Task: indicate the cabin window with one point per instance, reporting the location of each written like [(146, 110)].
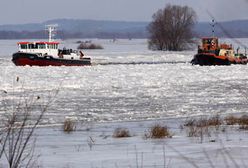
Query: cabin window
[(52, 46), (31, 46), (23, 46), (41, 46)]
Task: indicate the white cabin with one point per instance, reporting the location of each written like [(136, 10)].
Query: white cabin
[(50, 48), (43, 48)]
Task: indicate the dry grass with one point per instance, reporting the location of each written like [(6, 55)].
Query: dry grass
[(215, 121), (241, 121), (69, 126), (158, 132), (121, 133), (203, 126), (232, 120)]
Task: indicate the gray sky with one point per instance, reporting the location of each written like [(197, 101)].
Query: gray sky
[(26, 11)]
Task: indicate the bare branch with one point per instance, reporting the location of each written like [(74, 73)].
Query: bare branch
[(171, 28), (16, 134)]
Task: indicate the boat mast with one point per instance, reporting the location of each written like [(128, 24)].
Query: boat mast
[(51, 31), (213, 26)]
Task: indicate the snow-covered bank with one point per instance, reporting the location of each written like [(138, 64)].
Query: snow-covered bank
[(94, 146)]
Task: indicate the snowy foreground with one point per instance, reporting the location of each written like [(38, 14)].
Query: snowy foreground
[(130, 87), (95, 147)]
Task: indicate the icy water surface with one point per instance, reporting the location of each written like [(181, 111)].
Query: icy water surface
[(126, 82)]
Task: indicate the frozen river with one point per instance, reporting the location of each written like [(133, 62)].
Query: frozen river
[(126, 82)]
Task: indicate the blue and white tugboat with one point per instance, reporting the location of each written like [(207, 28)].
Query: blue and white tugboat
[(46, 53)]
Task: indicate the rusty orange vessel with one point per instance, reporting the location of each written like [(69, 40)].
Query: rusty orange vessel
[(213, 53)]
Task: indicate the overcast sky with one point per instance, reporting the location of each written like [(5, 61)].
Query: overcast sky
[(28, 11)]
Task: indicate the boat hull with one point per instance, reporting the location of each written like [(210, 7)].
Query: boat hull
[(209, 59), (22, 59)]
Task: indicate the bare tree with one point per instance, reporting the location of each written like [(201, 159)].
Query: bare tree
[(17, 140), (172, 28)]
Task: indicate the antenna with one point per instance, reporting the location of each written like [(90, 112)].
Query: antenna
[(51, 31), (213, 22), (213, 26), (225, 31)]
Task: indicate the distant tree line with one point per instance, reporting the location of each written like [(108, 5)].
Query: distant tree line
[(237, 29), (68, 35)]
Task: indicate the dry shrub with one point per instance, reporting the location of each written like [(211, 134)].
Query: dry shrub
[(204, 122), (232, 120), (241, 121), (158, 132), (89, 45), (214, 121), (121, 133), (69, 126), (202, 127)]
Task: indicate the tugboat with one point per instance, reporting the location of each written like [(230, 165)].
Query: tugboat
[(211, 53), (47, 53)]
